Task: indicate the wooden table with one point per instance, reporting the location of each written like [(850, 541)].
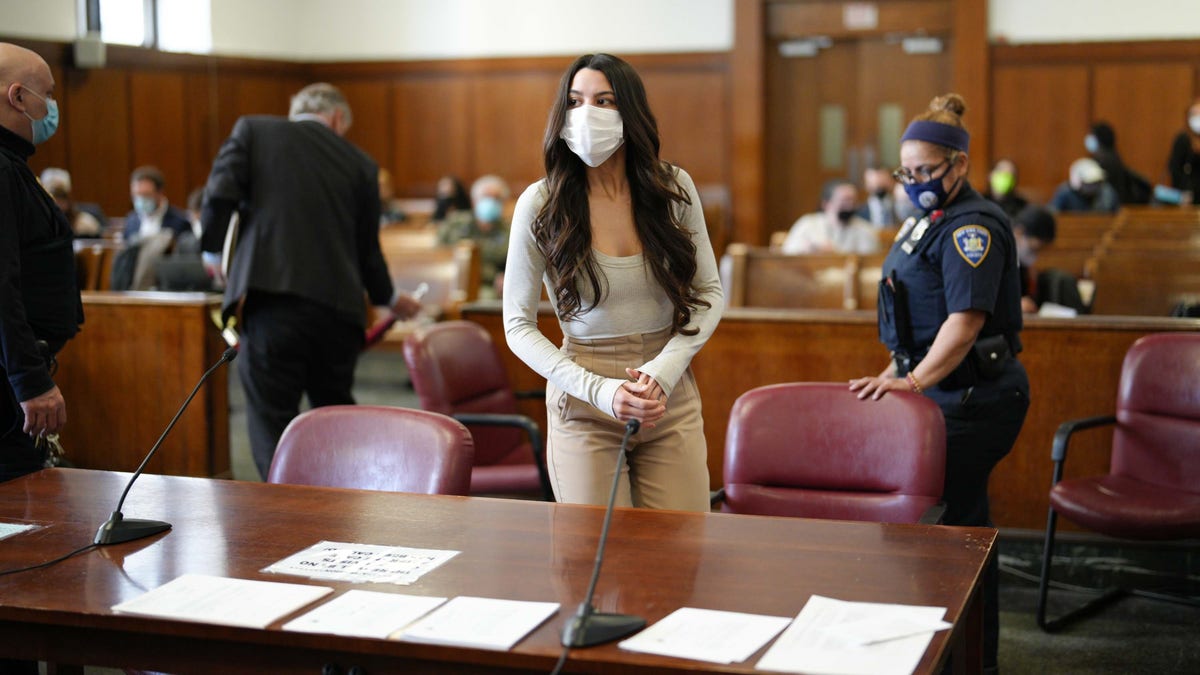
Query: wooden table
[(656, 562)]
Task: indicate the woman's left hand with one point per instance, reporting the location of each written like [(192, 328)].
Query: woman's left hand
[(645, 386), (876, 387)]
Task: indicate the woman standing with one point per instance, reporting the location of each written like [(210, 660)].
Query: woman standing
[(617, 238), (950, 313), (1184, 162)]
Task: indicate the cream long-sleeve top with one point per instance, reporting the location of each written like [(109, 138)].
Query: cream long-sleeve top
[(631, 302)]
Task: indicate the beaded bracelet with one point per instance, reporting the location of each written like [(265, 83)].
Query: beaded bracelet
[(914, 383)]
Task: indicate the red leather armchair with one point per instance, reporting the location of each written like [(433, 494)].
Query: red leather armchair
[(1152, 489), (456, 370), (814, 450), (375, 448)]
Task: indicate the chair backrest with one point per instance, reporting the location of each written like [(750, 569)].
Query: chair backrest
[(375, 448), (456, 368), (814, 450), (1157, 438)]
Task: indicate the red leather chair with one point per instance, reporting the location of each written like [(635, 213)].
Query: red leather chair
[(814, 450), (375, 448), (1152, 489), (456, 370)]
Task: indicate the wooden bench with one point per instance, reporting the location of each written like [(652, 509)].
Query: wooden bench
[(94, 261), (1073, 367), (763, 277)]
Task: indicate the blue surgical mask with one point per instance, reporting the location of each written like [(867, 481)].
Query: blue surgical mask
[(145, 205), (930, 194), (488, 209), (1091, 144), (44, 128)]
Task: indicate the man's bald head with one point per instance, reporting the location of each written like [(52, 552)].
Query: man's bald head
[(22, 71)]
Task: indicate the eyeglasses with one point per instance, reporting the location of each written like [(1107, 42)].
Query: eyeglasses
[(923, 174)]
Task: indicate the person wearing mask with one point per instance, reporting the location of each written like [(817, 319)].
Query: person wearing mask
[(1002, 187), (1184, 162), (617, 238), (486, 225), (880, 209), (950, 317), (1033, 228), (40, 307), (151, 212), (451, 197), (1101, 144), (308, 246), (1085, 190), (87, 220), (836, 228)]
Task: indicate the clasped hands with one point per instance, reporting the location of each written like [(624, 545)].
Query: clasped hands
[(640, 398)]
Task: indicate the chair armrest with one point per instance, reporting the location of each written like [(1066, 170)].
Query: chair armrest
[(531, 429), (716, 497), (933, 515), (530, 394), (1058, 449)]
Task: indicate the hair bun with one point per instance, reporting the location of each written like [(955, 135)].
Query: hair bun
[(951, 103)]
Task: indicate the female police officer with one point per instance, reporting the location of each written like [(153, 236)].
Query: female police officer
[(950, 312)]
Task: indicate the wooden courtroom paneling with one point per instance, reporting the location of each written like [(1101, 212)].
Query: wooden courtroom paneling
[(432, 131), (125, 375), (96, 123), (508, 121), (1073, 366), (1144, 124), (158, 128), (372, 130), (1040, 117)]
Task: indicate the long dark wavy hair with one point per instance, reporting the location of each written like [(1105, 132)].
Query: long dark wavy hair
[(562, 228)]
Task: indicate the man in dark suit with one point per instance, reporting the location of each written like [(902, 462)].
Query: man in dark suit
[(152, 213), (308, 244)]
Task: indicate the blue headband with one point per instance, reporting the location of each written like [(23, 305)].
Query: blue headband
[(937, 133)]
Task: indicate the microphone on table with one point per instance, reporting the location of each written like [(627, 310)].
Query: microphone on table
[(589, 627), (120, 529)]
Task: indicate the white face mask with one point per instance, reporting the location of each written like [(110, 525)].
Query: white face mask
[(1194, 123), (593, 133)]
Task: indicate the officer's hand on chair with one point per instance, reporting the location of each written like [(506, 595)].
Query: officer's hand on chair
[(45, 414), (876, 387)]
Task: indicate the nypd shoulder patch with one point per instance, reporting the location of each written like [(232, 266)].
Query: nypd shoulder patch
[(973, 243)]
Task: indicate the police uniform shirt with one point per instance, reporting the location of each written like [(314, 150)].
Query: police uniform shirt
[(960, 259)]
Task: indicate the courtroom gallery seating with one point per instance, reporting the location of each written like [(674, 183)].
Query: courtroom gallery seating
[(456, 370), (375, 448), (814, 450), (1152, 490)]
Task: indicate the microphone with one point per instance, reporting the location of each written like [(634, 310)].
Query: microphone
[(118, 529), (589, 627)]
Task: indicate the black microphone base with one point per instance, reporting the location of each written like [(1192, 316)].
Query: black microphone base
[(596, 629), (118, 529)]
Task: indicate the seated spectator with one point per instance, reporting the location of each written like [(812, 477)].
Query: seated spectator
[(57, 182), (1131, 187), (1002, 187), (880, 209), (1085, 190), (451, 197), (390, 211), (835, 228), (151, 212), (1034, 229), (1184, 161), (487, 226)]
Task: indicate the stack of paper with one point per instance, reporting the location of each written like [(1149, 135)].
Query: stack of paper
[(707, 635), (483, 623), (365, 614), (834, 637), (338, 561), (220, 600), (9, 529)]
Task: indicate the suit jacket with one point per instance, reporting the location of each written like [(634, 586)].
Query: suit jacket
[(174, 220), (308, 204)]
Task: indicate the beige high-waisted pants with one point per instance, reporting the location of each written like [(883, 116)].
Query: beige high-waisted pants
[(667, 465)]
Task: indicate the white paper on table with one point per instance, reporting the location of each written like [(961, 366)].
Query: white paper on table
[(707, 635), (221, 600), (816, 643), (9, 529), (364, 614), (339, 561), (485, 623)]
